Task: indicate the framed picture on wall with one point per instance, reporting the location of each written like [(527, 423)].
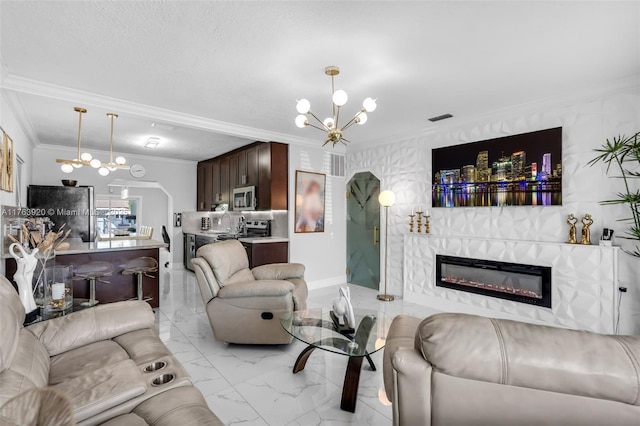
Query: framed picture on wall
[(310, 192), (3, 144), (7, 164)]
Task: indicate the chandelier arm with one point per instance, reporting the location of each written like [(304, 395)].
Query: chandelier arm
[(318, 120), (352, 121), (343, 140), (111, 142), (316, 127), (333, 105), (336, 117), (326, 142)]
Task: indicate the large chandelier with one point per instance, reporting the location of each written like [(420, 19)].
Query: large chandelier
[(86, 159), (331, 125)]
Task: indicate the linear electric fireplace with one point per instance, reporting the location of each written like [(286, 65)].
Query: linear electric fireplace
[(512, 281)]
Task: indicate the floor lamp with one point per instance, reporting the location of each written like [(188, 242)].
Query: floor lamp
[(386, 199)]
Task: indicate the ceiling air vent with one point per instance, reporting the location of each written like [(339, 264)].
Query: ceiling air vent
[(440, 117), (337, 165)]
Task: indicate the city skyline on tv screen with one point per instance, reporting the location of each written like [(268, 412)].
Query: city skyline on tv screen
[(517, 170)]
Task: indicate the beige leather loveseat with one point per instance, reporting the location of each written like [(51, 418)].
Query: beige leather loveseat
[(95, 359), (244, 305), (458, 369)]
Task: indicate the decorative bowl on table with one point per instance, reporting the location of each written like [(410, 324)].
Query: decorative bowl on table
[(69, 182)]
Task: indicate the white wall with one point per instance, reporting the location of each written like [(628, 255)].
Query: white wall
[(176, 176), (324, 253), (405, 167)]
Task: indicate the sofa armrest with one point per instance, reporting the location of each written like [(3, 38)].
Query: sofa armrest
[(91, 325), (278, 271), (411, 388), (256, 288), (103, 389)]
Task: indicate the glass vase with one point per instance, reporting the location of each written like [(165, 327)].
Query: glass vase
[(45, 261), (58, 289)]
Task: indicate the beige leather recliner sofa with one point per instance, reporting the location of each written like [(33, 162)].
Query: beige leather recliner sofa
[(244, 305), (457, 369), (96, 360)]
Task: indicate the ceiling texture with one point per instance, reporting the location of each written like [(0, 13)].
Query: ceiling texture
[(221, 74)]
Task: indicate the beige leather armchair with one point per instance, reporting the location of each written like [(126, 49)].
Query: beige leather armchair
[(95, 360), (244, 305), (458, 369)]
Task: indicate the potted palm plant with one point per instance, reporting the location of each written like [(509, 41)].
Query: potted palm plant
[(623, 155)]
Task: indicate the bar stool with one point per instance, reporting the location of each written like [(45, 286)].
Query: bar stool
[(142, 267), (92, 272)]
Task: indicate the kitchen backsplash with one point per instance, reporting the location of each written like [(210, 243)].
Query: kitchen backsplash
[(224, 221)]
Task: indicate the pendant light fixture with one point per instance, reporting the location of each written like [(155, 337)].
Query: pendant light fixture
[(120, 160), (330, 125), (84, 159)]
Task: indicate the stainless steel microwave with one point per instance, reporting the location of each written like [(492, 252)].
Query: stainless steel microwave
[(244, 198)]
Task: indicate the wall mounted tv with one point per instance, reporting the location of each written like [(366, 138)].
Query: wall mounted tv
[(518, 170)]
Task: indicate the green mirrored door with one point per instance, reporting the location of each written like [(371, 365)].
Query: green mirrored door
[(363, 230)]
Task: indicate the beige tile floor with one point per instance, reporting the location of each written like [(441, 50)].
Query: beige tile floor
[(254, 385)]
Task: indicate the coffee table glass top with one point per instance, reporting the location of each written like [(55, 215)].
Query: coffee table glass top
[(316, 328)]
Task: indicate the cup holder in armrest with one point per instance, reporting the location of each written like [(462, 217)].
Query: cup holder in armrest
[(163, 379), (155, 366)]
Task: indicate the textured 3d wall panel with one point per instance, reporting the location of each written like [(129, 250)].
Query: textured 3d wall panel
[(405, 168), (583, 279)]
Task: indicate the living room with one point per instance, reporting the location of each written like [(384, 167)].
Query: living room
[(217, 76)]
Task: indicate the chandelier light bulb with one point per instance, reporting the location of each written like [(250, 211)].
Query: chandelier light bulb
[(86, 156), (340, 97), (121, 160), (301, 121), (369, 105), (67, 168), (95, 163), (103, 171), (77, 166), (303, 106), (362, 118), (328, 123)]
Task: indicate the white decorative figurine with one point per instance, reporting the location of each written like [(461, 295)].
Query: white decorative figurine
[(342, 308), (24, 275)]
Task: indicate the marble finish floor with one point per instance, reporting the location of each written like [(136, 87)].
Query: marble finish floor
[(255, 385)]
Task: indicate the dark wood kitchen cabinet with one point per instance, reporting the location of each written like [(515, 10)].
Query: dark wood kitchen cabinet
[(266, 253), (263, 165), (273, 176), (225, 197)]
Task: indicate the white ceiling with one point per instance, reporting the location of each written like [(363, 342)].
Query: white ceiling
[(226, 73)]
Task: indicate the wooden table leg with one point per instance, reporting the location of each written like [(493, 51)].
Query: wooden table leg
[(301, 362), (351, 382)]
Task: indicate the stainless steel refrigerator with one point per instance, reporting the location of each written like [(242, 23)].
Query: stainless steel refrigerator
[(64, 204)]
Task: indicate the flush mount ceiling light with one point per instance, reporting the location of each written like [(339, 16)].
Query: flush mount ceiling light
[(120, 161), (84, 159), (152, 142), (331, 125)]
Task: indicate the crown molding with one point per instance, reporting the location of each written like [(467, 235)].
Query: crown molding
[(19, 84), (626, 85), (21, 117), (71, 152)]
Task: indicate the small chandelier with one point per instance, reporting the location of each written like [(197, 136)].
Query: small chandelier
[(331, 125), (120, 160), (86, 159)]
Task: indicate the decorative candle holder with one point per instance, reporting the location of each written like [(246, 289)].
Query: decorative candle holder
[(58, 288), (419, 214), (411, 222), (426, 223)]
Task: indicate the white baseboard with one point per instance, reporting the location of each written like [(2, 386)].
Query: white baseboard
[(327, 282)]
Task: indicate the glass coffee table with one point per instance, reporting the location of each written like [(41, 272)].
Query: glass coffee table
[(315, 328)]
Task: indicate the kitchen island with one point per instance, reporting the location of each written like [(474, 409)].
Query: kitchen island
[(118, 252)]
